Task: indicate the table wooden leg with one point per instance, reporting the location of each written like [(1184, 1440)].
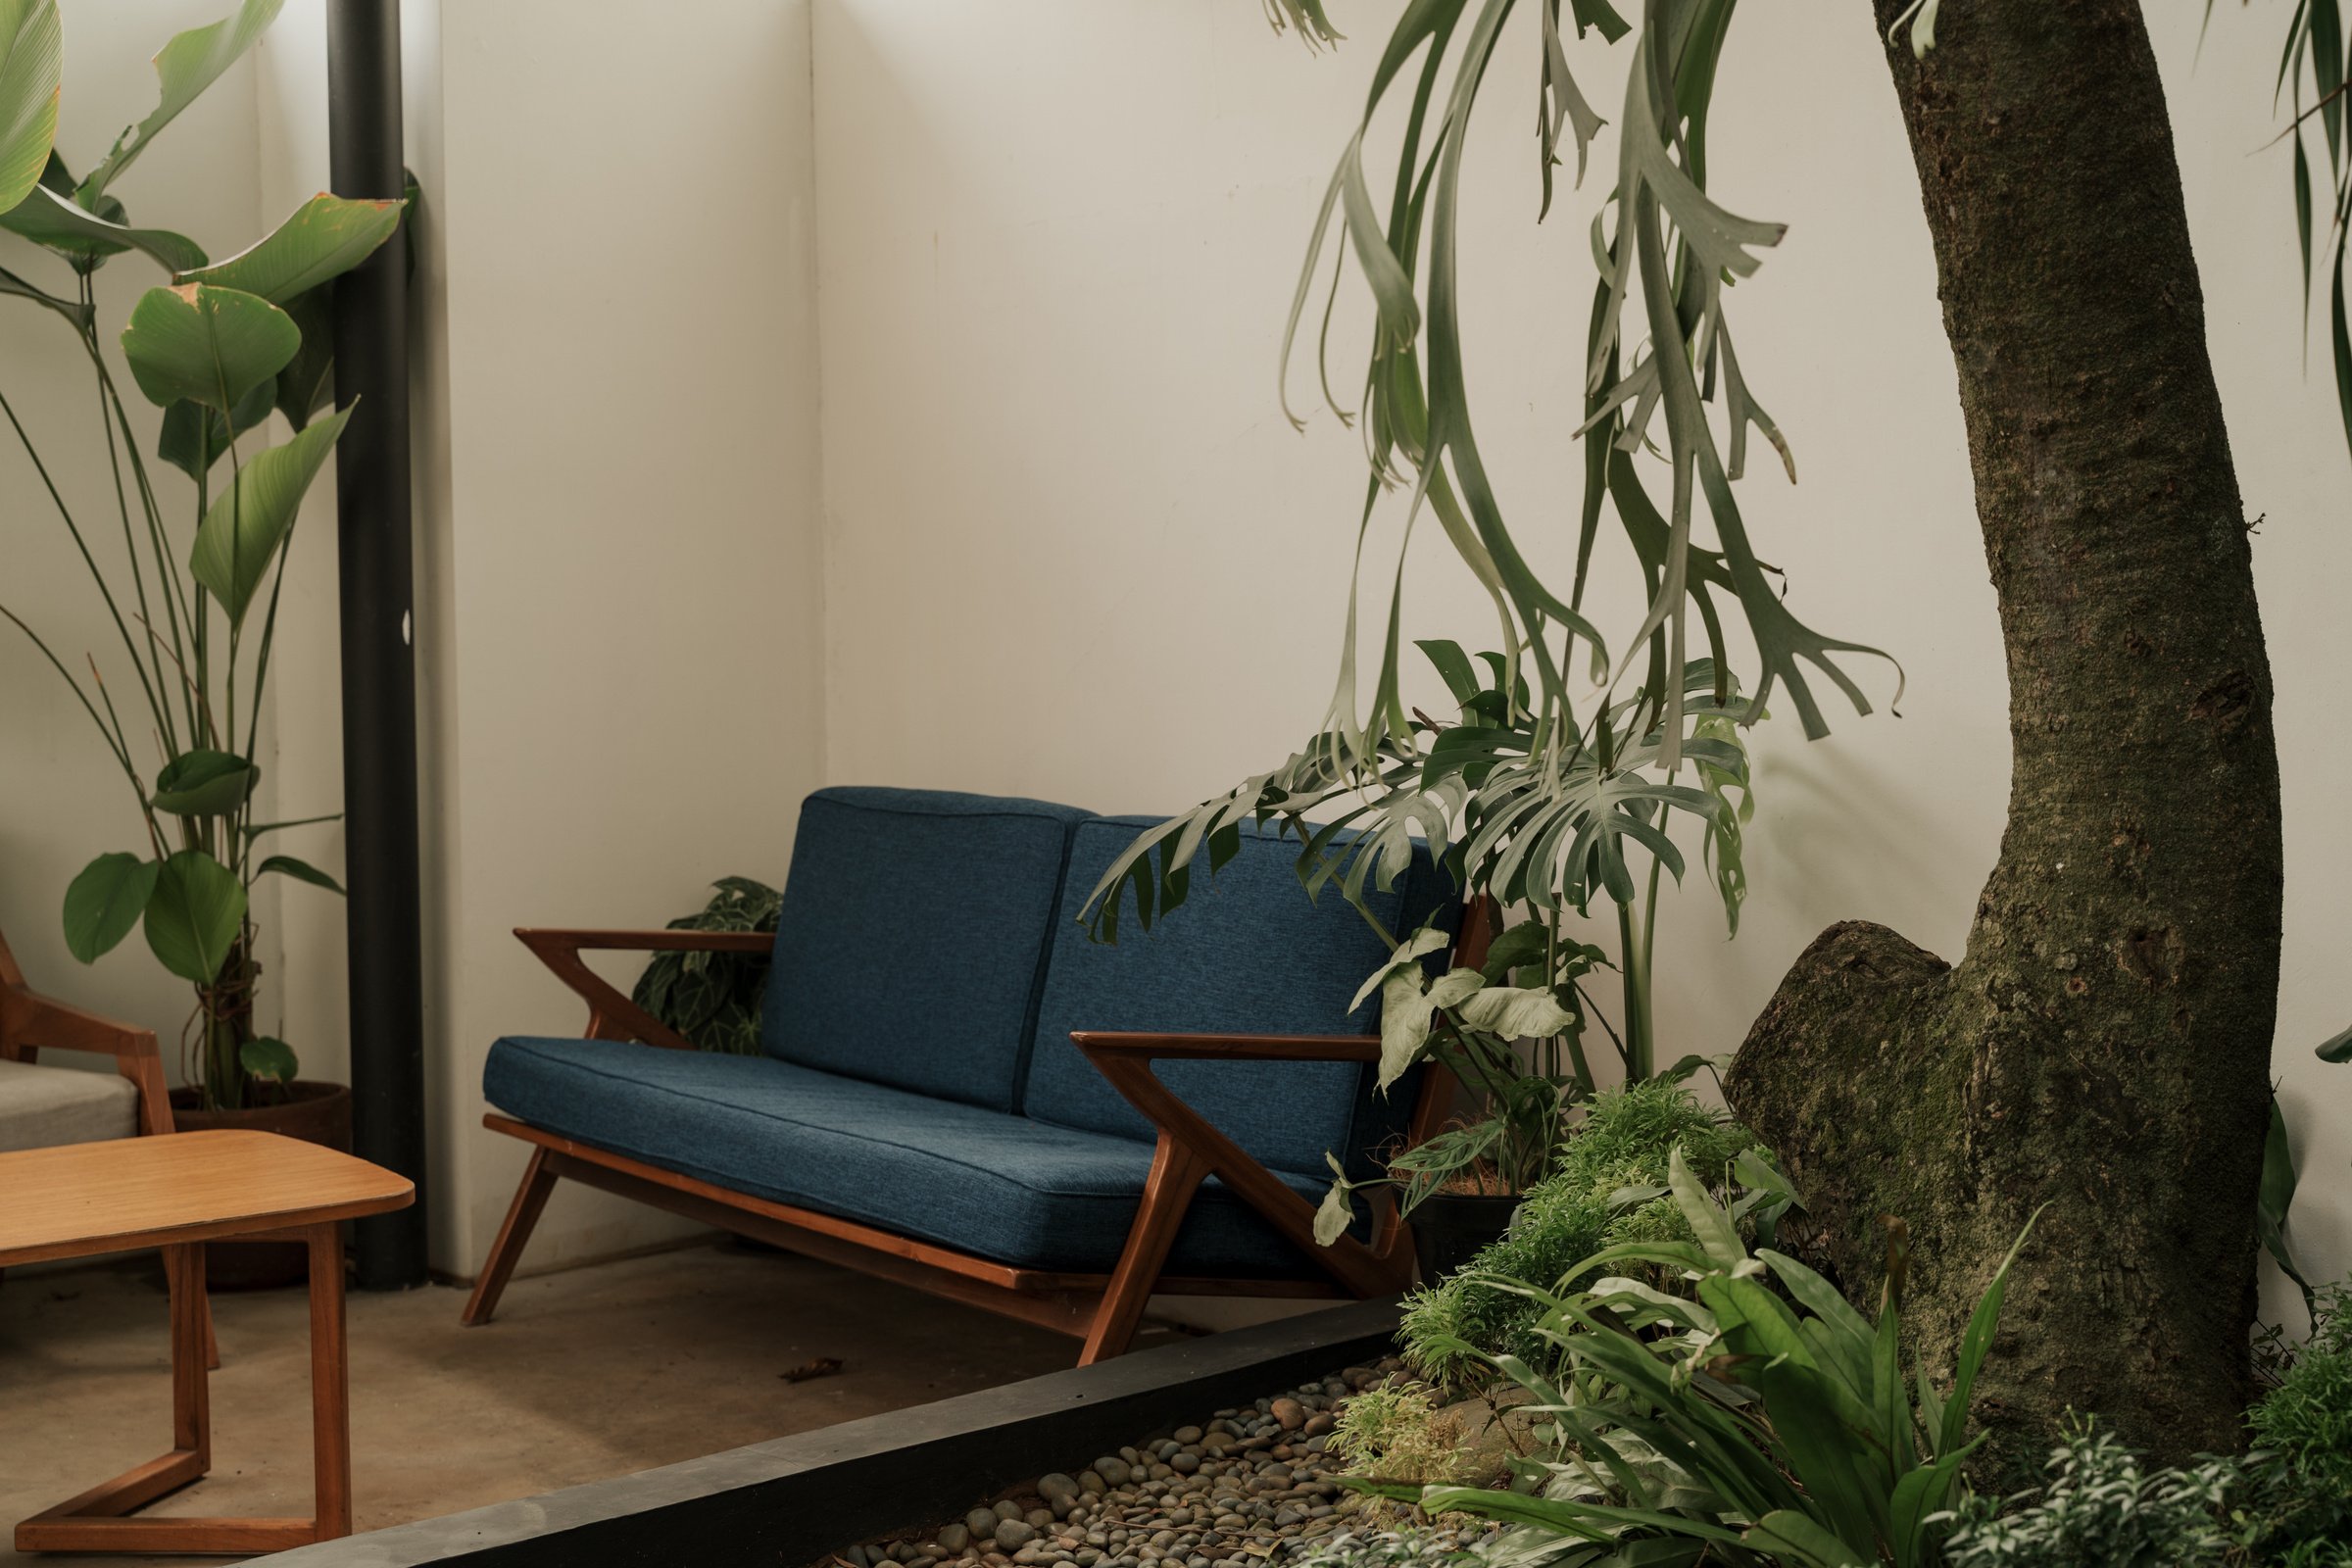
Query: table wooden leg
[(99, 1520), (191, 1354), (330, 1383)]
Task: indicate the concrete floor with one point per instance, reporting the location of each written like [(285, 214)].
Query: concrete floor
[(584, 1375)]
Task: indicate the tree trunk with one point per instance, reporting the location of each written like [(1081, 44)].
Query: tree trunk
[(2103, 1047)]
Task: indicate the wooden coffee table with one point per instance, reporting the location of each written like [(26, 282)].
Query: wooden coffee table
[(177, 1192)]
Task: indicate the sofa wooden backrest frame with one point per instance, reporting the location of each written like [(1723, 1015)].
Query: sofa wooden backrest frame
[(1102, 1311)]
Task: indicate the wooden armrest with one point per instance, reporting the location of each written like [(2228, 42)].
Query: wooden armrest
[(28, 1018), (611, 1014), (1128, 1044)]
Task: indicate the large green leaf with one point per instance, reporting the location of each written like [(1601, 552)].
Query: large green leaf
[(195, 437), (326, 237), (2276, 1198), (206, 345), (31, 69), (300, 871), (190, 63), (204, 783), (244, 528), (48, 218), (194, 916), (266, 1056), (104, 901)]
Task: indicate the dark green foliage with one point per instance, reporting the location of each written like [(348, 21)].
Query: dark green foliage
[(2302, 1433), (712, 998), (1607, 1188), (2102, 1508)]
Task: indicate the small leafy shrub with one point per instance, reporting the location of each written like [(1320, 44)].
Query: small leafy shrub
[(2307, 1419), (712, 998), (1389, 1549), (1608, 1189), (1400, 1434), (2102, 1508), (2303, 1445), (1748, 1415)]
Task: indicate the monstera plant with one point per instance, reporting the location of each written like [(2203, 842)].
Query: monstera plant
[(216, 349)]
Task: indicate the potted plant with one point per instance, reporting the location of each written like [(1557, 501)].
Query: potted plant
[(215, 351), (1528, 815)]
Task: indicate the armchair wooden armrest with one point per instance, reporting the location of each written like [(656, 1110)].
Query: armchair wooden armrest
[(30, 1023), (612, 1016)]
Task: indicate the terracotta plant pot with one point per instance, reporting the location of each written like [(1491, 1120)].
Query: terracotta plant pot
[(1449, 1229), (314, 1112)]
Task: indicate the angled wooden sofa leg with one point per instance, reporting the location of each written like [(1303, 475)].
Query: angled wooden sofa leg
[(1176, 1175), (521, 1215)]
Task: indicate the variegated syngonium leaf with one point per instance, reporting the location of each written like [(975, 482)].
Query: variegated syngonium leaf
[(1516, 1013), (1408, 998), (1337, 1211)]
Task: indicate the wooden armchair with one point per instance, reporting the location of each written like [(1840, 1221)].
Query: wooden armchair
[(67, 1106)]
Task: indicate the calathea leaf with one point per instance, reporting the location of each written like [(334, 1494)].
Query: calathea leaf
[(299, 871), (206, 345), (243, 530), (184, 66), (32, 71), (104, 901), (87, 238), (195, 437), (194, 916), (325, 237), (204, 783)]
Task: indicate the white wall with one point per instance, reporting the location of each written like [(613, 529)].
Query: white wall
[(1073, 549), (624, 561)]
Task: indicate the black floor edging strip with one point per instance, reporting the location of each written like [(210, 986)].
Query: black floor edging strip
[(786, 1503)]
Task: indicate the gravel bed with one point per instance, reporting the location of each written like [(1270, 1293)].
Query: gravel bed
[(1247, 1487)]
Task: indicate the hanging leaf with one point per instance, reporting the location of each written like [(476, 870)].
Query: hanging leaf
[(31, 71), (1516, 1013), (104, 901), (72, 309), (195, 437), (300, 871), (2274, 1198), (206, 345), (325, 237), (244, 528), (85, 238), (204, 783), (264, 1056), (190, 63), (308, 382), (2340, 1049), (194, 916)]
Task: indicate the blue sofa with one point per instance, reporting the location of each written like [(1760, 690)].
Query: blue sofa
[(958, 1088)]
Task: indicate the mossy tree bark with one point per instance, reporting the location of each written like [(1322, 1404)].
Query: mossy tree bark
[(2103, 1046)]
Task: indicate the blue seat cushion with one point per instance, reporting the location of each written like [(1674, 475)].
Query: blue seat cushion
[(1249, 952), (998, 1185), (913, 928)]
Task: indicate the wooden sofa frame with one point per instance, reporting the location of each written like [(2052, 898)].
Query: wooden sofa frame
[(30, 1023), (1101, 1310)]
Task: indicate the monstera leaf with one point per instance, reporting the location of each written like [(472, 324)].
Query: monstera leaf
[(32, 65), (206, 345), (242, 532)]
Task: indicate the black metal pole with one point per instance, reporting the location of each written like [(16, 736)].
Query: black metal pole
[(379, 674)]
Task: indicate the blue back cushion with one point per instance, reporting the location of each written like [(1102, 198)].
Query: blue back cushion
[(1247, 953), (914, 926)]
